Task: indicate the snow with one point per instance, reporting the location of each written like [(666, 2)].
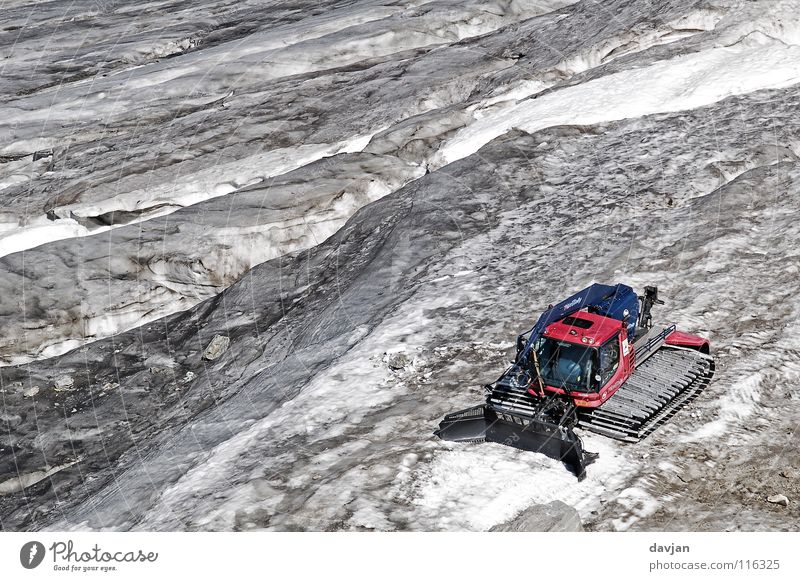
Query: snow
[(41, 232), (639, 505), (371, 200), (330, 403), (213, 244), (686, 82), (629, 42), (214, 182), (473, 487)]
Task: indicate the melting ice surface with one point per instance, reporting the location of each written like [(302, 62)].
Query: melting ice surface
[(371, 200)]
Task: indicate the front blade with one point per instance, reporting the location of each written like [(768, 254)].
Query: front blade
[(482, 423), (467, 425)]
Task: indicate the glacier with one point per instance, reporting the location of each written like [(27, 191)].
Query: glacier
[(370, 200)]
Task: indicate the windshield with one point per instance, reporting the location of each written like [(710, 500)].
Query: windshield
[(567, 365)]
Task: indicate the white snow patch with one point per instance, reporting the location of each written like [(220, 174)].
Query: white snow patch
[(40, 231), (741, 399), (686, 82), (185, 190), (638, 504), (632, 41), (475, 486), (332, 401)]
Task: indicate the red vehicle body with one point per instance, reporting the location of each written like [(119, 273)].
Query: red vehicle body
[(597, 332)]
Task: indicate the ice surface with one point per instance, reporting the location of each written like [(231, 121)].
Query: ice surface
[(686, 82), (371, 200), (148, 269)]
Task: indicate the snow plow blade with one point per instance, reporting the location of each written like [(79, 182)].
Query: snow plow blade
[(482, 423)]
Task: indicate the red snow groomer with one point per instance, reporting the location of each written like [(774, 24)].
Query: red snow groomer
[(594, 361)]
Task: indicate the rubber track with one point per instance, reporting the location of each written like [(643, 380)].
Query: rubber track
[(504, 398), (662, 385)]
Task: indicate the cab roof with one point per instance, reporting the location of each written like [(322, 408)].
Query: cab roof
[(584, 328)]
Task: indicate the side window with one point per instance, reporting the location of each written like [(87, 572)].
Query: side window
[(609, 359)]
